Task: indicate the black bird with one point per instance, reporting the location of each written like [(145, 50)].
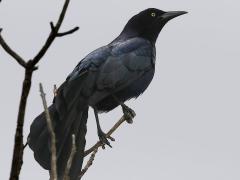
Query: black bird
[(103, 80)]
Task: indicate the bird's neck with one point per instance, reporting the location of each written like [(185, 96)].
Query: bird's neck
[(129, 32), (125, 35)]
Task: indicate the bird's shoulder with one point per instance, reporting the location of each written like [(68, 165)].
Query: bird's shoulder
[(91, 62), (138, 46), (134, 54)]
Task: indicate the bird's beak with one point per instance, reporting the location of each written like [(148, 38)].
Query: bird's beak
[(172, 14)]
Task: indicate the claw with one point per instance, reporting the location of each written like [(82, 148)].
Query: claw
[(129, 114), (111, 138), (103, 146), (104, 139)]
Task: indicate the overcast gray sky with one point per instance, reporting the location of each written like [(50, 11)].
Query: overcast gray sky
[(187, 123)]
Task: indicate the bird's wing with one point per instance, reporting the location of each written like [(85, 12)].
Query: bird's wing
[(111, 67), (129, 61)]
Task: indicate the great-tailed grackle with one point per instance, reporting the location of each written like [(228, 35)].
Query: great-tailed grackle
[(103, 80)]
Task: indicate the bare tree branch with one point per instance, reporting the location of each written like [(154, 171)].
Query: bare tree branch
[(29, 66), (70, 159), (6, 47), (109, 133), (17, 159), (53, 174), (89, 163)]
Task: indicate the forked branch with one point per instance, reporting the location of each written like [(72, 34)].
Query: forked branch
[(29, 66), (53, 34)]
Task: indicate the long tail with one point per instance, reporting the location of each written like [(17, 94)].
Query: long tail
[(69, 115)]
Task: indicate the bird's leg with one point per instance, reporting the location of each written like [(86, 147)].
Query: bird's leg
[(129, 114), (102, 136)]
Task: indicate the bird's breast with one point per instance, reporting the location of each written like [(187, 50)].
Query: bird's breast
[(137, 87)]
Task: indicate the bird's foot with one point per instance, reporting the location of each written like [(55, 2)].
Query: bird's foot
[(104, 139), (129, 114)]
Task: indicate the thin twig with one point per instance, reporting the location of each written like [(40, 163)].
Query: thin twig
[(6, 47), (53, 174), (63, 33), (67, 32), (25, 145), (70, 159), (109, 133), (55, 90), (89, 163)]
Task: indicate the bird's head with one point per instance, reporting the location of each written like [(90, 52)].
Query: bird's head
[(148, 23)]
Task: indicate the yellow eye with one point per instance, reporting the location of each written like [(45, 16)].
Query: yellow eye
[(153, 14)]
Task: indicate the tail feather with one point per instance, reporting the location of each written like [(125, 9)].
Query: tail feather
[(79, 129), (69, 116)]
